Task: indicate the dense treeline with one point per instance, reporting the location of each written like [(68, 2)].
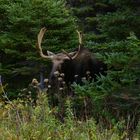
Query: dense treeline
[(111, 31), (109, 20)]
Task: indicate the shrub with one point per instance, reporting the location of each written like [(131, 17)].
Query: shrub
[(21, 120), (116, 96)]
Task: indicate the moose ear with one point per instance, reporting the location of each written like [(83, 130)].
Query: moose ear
[(50, 53)]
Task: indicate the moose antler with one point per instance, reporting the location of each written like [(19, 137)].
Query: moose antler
[(79, 48), (80, 43), (67, 54), (80, 36), (38, 45), (71, 55)]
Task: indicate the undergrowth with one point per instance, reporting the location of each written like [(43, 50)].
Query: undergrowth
[(23, 120)]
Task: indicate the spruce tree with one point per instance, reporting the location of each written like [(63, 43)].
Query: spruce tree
[(117, 25), (86, 11), (107, 19), (114, 32), (20, 23)]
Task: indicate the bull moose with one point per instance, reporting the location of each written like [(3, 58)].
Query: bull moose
[(74, 64)]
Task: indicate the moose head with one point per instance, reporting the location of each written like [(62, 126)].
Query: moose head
[(72, 65)]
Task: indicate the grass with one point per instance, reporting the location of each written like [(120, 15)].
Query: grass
[(24, 119), (20, 120)]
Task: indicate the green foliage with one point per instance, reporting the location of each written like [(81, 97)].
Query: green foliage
[(21, 22), (118, 24), (109, 24), (116, 95), (20, 120), (112, 100), (107, 20), (86, 12), (138, 131)]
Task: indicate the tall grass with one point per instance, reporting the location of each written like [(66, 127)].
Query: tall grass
[(21, 120)]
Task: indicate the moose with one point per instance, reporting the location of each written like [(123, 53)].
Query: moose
[(72, 65)]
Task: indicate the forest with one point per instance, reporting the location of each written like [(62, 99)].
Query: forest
[(53, 99)]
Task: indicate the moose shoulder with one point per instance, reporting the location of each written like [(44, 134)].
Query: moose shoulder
[(73, 65)]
